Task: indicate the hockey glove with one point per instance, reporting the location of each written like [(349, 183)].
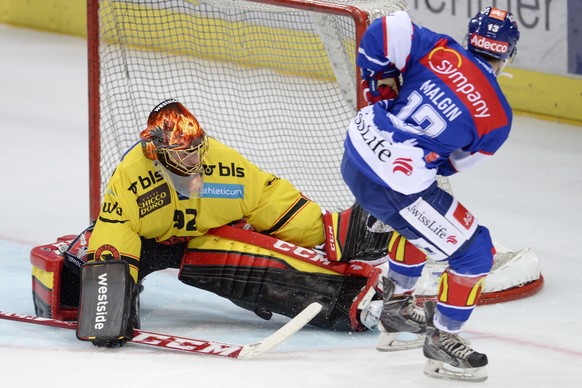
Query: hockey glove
[(109, 304), (378, 86)]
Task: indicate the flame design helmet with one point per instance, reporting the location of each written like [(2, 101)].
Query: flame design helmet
[(493, 33), (175, 139)]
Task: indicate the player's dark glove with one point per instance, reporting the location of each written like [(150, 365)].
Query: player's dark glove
[(378, 86)]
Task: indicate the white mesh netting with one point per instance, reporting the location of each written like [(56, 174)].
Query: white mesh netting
[(276, 83)]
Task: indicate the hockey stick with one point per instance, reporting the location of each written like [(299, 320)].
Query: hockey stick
[(191, 345)]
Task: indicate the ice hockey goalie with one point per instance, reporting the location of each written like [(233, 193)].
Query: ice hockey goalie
[(255, 271)]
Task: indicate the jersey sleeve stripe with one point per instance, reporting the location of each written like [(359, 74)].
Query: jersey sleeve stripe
[(288, 215), (398, 33)]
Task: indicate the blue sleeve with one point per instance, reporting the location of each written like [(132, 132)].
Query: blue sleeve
[(371, 53), (446, 168)]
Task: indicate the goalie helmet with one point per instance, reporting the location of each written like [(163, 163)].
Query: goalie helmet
[(493, 33), (177, 144)]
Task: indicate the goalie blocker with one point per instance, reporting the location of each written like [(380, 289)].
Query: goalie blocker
[(108, 310)]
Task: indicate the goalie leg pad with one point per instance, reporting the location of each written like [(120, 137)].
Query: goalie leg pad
[(266, 291), (55, 276), (107, 301), (267, 282), (55, 289)]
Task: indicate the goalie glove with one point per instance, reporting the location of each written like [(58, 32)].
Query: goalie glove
[(378, 86)]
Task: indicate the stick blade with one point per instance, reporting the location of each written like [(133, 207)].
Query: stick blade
[(293, 326)]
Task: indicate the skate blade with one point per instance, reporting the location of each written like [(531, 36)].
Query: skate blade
[(441, 370), (393, 342)]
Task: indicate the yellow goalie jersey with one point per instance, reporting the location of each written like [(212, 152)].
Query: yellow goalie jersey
[(139, 202)]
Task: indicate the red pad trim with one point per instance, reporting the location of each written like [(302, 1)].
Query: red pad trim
[(356, 268), (330, 237), (283, 247), (44, 293), (374, 274), (343, 226), (238, 259), (48, 258)]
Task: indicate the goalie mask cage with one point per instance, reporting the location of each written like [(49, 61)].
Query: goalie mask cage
[(275, 80)]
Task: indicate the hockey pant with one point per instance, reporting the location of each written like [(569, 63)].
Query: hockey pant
[(437, 225)]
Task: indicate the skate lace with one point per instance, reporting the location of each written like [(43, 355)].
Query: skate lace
[(415, 312), (455, 345)]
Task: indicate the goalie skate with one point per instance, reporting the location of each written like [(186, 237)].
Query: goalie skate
[(449, 356)]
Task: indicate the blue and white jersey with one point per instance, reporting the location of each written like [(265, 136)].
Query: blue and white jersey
[(450, 113)]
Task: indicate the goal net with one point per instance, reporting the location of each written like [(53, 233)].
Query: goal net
[(276, 82), (275, 79)]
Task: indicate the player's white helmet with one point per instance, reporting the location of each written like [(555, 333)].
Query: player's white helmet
[(177, 144), (493, 33)]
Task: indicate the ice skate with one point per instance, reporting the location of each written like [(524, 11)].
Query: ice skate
[(402, 323), (449, 356)]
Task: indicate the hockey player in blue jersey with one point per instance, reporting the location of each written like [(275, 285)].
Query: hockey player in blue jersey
[(445, 114)]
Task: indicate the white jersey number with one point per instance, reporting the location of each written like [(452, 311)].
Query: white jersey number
[(428, 121)]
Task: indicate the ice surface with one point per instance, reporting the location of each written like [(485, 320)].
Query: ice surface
[(530, 194)]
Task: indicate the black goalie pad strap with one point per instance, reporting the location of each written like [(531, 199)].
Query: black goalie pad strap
[(106, 301)]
